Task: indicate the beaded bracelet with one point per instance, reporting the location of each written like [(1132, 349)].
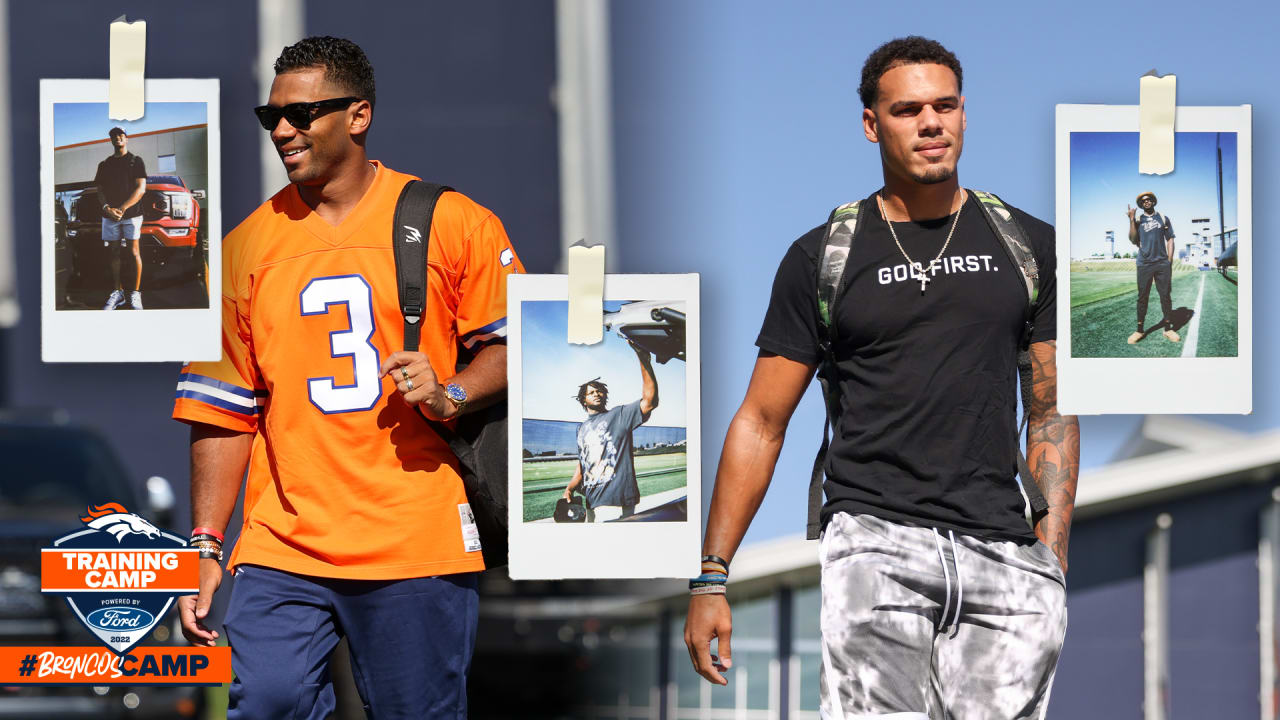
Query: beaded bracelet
[(210, 553), (210, 548)]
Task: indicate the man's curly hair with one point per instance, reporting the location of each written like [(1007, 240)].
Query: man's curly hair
[(582, 391), (344, 63), (910, 50)]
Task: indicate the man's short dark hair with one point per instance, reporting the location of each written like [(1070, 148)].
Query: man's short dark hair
[(344, 63), (910, 50), (116, 131), (582, 391)]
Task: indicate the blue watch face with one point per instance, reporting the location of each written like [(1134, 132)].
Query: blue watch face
[(455, 392)]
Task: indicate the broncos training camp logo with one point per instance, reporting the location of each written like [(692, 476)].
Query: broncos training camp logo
[(119, 573)]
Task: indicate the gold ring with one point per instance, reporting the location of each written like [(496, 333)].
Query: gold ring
[(404, 372)]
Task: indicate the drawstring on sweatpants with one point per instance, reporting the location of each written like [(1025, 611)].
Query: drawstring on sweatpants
[(954, 623)]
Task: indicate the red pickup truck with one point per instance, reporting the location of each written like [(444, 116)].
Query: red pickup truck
[(170, 218), (172, 240)]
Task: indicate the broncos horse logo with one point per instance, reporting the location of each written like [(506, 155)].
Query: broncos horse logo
[(115, 519)]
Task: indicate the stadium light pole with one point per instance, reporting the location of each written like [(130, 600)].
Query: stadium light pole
[(1222, 226)]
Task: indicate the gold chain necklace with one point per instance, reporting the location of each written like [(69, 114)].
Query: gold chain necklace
[(924, 279)]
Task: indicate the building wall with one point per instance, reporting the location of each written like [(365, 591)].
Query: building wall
[(189, 147)]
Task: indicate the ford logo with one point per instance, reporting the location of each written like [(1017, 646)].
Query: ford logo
[(120, 618)]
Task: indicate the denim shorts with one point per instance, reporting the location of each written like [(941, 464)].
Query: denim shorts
[(121, 230)]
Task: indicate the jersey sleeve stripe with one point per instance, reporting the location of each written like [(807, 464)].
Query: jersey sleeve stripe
[(204, 381), (219, 402), (219, 397), (493, 332)]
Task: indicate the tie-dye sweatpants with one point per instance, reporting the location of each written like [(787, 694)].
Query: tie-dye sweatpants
[(919, 624)]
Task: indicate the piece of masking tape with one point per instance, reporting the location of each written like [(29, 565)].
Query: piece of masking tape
[(1157, 104), (128, 69), (586, 293)]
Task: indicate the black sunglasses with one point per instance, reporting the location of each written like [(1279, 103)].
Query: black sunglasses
[(298, 114)]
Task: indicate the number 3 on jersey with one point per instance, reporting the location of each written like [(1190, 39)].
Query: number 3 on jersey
[(351, 290)]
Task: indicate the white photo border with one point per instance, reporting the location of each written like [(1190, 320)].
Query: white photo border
[(157, 335), (1095, 386), (545, 551)]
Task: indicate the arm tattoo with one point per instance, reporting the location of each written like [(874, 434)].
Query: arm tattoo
[(1053, 450)]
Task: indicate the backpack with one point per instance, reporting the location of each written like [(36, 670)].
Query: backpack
[(842, 228), (480, 438)]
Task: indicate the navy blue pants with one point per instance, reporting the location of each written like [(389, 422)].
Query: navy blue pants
[(411, 643)]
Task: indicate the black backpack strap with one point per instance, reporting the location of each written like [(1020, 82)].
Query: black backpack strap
[(1018, 249), (411, 237), (842, 226), (483, 470)]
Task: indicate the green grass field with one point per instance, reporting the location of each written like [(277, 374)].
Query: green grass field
[(544, 482), (1103, 305)]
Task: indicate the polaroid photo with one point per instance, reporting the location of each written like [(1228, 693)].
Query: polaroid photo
[(604, 440), (131, 228), (1155, 272)]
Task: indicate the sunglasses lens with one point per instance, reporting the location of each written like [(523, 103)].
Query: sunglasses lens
[(298, 115), (268, 116)]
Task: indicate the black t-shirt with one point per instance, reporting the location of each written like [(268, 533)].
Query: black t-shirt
[(1153, 231), (929, 381), (116, 180)]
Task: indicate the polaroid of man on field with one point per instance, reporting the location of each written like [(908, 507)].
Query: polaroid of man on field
[(1183, 237), (605, 474), (604, 452)]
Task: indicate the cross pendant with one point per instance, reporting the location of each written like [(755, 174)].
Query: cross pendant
[(924, 280)]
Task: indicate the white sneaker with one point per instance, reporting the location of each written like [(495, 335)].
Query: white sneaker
[(135, 300), (114, 300)]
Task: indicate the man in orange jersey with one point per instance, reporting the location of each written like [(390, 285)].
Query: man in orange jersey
[(356, 523)]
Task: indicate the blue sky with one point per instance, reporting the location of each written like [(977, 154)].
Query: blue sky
[(81, 122), (1104, 177), (553, 369)]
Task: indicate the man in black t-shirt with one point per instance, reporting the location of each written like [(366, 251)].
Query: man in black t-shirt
[(1153, 234), (938, 598), (605, 473), (121, 181)]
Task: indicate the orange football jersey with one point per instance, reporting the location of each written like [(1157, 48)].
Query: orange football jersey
[(345, 479)]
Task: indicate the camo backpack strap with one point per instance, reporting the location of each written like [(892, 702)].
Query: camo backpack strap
[(1006, 227), (842, 225), (1014, 240)]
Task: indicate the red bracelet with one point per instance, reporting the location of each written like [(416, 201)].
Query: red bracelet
[(207, 531)]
